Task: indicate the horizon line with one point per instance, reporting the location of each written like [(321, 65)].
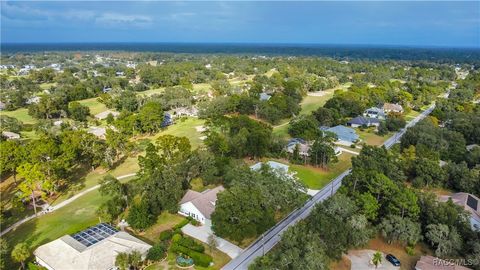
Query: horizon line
[(300, 44)]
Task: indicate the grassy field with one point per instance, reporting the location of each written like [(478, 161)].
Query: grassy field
[(94, 105), (317, 178), (370, 137), (311, 103), (185, 127), (21, 115), (67, 220)]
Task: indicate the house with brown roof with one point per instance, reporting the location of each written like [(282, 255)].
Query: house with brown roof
[(470, 203), (434, 263), (390, 107), (199, 205)]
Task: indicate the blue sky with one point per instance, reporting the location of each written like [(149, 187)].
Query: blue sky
[(421, 23)]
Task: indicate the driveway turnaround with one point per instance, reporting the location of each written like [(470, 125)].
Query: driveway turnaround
[(203, 232), (362, 260)]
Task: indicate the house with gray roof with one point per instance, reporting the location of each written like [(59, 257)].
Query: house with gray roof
[(470, 203), (200, 205), (375, 112), (345, 135), (361, 121), (264, 96)]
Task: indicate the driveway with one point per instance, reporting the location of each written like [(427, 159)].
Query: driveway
[(203, 232), (361, 260)]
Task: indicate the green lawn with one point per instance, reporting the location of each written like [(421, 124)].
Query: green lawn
[(185, 127), (317, 178), (370, 136), (311, 103), (20, 114), (47, 86), (94, 105), (67, 220)]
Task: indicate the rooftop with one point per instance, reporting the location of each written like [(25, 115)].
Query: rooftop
[(93, 248), (203, 201)]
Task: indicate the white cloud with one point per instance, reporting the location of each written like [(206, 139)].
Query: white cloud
[(117, 19)]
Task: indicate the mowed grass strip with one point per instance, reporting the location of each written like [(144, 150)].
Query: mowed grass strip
[(94, 105), (317, 178)]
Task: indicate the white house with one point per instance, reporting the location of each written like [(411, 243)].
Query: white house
[(470, 203), (10, 135), (92, 249), (99, 132), (199, 205), (374, 112)]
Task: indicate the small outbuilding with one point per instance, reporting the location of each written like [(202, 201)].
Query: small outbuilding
[(104, 114)]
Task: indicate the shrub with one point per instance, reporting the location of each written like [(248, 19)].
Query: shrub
[(410, 250), (157, 252), (176, 237), (181, 224), (166, 235), (191, 244), (200, 259), (194, 222)]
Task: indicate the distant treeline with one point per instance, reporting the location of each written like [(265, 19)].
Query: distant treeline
[(470, 55)]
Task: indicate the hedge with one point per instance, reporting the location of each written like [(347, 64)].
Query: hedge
[(191, 244), (181, 224), (200, 259)]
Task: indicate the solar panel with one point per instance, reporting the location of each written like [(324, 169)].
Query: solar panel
[(472, 202), (94, 234)]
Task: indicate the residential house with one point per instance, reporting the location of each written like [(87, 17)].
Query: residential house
[(91, 249), (10, 135), (119, 73), (470, 203), (200, 205), (345, 135), (33, 100), (303, 146), (104, 114), (434, 263), (390, 107), (264, 97), (106, 89), (167, 120), (184, 111), (277, 167), (375, 112), (99, 132), (361, 121)]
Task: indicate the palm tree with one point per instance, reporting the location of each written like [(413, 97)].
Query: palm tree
[(377, 259), (122, 261)]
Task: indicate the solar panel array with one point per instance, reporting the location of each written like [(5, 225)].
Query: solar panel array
[(94, 234)]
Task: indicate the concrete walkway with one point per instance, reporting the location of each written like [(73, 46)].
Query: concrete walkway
[(203, 232), (348, 151), (49, 209)]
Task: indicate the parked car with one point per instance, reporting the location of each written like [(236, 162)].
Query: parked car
[(393, 260)]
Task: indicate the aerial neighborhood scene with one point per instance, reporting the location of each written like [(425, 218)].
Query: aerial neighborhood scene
[(164, 135)]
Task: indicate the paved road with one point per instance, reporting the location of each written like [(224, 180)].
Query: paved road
[(271, 237), (58, 206)]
